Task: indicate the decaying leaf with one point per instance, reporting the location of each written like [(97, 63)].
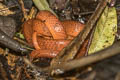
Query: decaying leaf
[(8, 25), (105, 30)]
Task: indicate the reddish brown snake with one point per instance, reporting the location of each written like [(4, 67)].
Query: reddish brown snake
[(48, 34)]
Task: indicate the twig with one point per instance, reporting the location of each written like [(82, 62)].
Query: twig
[(24, 43), (4, 73), (7, 8), (32, 13), (86, 13), (90, 40), (33, 66), (112, 2), (70, 51), (23, 9), (91, 76), (97, 56), (117, 76), (11, 43)]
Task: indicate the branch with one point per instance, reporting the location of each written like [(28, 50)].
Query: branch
[(71, 50), (11, 43), (84, 61)]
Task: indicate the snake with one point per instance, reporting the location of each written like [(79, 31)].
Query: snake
[(48, 34)]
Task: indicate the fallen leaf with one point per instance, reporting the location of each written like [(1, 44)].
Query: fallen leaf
[(105, 30)]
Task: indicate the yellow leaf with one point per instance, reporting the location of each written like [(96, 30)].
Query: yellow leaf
[(105, 31)]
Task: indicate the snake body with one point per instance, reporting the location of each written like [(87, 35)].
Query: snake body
[(48, 34)]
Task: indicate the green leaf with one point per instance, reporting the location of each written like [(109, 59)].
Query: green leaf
[(43, 5), (20, 35), (105, 31)]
